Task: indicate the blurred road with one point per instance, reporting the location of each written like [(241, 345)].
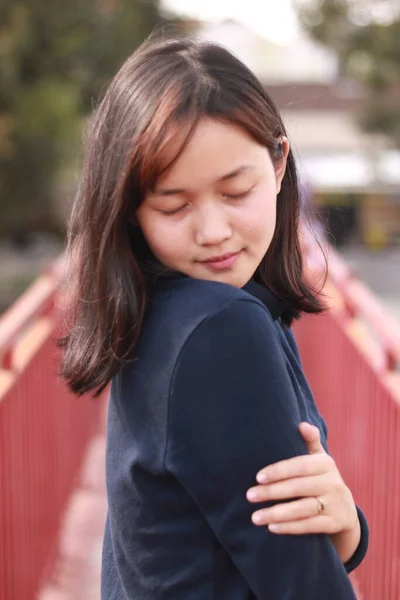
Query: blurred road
[(380, 270)]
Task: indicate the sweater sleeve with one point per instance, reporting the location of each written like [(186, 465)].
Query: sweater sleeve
[(233, 411)]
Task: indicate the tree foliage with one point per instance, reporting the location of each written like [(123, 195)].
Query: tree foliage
[(55, 59), (366, 36)]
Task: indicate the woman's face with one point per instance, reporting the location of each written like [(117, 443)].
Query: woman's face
[(212, 214)]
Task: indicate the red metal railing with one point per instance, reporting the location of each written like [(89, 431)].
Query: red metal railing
[(44, 431), (351, 356)]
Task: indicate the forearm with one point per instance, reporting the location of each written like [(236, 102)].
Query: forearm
[(346, 542)]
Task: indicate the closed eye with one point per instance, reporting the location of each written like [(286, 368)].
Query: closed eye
[(227, 196), (238, 196), (175, 211)]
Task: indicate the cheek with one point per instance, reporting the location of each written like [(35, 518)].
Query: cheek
[(161, 237), (260, 218)]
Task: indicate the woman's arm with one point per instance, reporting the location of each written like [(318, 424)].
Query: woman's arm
[(307, 478), (232, 408)]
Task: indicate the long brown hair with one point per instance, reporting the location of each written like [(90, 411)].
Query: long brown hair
[(166, 86)]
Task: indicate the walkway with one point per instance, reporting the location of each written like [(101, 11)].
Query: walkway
[(77, 572)]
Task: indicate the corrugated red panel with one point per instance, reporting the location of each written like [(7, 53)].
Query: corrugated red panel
[(364, 437), (44, 432)]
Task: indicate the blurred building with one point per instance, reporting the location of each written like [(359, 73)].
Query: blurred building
[(355, 176), (272, 62)]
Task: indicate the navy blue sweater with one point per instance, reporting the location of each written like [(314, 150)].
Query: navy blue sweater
[(215, 393)]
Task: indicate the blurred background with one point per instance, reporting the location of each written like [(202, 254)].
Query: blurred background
[(333, 69)]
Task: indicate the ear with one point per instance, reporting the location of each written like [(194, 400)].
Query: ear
[(280, 166)]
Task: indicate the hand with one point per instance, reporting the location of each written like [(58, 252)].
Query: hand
[(324, 504)]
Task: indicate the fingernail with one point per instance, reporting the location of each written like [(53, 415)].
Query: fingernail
[(273, 528), (262, 478), (252, 495), (256, 518)]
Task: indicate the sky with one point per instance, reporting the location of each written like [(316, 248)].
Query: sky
[(273, 19)]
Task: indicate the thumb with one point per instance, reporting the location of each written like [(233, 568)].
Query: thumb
[(312, 437)]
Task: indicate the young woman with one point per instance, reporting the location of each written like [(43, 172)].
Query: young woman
[(186, 276)]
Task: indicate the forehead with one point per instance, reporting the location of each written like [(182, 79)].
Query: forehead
[(214, 148)]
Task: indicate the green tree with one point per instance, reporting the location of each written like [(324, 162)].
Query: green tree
[(55, 59), (366, 36)]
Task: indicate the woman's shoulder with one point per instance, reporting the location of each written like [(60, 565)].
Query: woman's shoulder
[(198, 299), (186, 307)]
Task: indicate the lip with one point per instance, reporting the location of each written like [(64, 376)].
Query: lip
[(223, 261)]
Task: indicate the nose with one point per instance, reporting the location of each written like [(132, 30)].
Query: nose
[(212, 225)]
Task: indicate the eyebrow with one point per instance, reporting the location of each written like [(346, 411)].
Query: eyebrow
[(226, 177)]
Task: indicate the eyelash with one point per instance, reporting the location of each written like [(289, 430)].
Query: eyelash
[(229, 196), (173, 212), (237, 196)]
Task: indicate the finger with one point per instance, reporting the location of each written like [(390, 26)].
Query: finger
[(311, 436), (297, 487), (298, 466), (288, 511), (320, 524)]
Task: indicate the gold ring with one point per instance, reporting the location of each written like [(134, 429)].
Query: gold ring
[(321, 505)]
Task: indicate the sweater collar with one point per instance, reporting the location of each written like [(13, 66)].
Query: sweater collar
[(275, 305), (272, 302)]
